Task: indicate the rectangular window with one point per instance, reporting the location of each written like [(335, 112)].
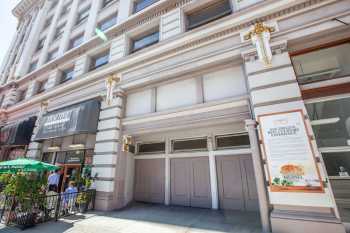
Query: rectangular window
[(330, 122), (67, 75), (99, 60), (196, 144), (66, 9), (59, 31), (323, 64), (142, 4), (41, 44), (76, 41), (52, 55), (208, 14), (33, 66), (83, 15), (47, 23), (107, 3), (151, 148), (145, 41), (337, 163), (41, 86), (22, 95), (48, 157), (107, 23), (232, 141)]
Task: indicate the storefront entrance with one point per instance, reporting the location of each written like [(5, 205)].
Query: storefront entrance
[(70, 172), (323, 74), (73, 165)]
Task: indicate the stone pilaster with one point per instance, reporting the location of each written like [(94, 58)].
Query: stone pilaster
[(11, 97), (125, 9), (81, 65), (275, 89), (53, 79), (119, 48), (30, 44), (64, 44), (107, 157), (172, 24), (32, 89), (35, 148), (50, 34), (91, 22)]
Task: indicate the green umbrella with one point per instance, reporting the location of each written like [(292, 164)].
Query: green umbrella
[(26, 165)]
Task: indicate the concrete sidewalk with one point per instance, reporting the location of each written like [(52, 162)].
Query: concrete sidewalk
[(146, 218)]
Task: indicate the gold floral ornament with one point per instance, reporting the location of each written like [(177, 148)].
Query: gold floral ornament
[(126, 143), (111, 82), (260, 36)]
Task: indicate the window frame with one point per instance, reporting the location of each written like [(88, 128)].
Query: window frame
[(80, 20), (33, 66), (107, 3), (41, 44), (172, 150), (108, 21), (72, 40), (230, 135), (94, 58), (135, 2), (64, 75), (59, 31), (208, 20), (50, 54), (41, 86), (143, 36), (147, 143)]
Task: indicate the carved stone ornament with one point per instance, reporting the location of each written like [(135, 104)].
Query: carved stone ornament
[(260, 36), (111, 82)]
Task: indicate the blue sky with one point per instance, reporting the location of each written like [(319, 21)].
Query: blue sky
[(8, 24)]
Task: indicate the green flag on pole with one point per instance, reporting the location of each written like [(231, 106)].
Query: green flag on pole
[(101, 34)]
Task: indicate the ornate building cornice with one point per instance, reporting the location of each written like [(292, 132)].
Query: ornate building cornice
[(24, 6), (165, 7)]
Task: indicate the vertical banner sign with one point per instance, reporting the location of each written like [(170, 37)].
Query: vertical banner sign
[(290, 159)]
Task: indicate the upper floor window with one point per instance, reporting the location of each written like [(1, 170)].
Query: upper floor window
[(145, 41), (142, 4), (41, 86), (82, 15), (47, 23), (52, 55), (107, 3), (209, 13), (322, 64), (66, 9), (67, 75), (53, 4), (192, 144), (33, 66), (232, 141), (151, 148), (99, 60), (76, 41), (40, 44), (22, 95), (107, 23), (59, 31)]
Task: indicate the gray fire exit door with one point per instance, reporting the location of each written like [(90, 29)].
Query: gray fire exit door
[(149, 180), (236, 182), (190, 182)]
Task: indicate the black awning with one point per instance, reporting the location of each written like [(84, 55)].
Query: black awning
[(75, 119), (18, 133)]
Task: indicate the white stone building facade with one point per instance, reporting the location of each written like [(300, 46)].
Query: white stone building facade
[(191, 89)]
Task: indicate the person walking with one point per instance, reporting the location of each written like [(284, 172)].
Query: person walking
[(53, 180)]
